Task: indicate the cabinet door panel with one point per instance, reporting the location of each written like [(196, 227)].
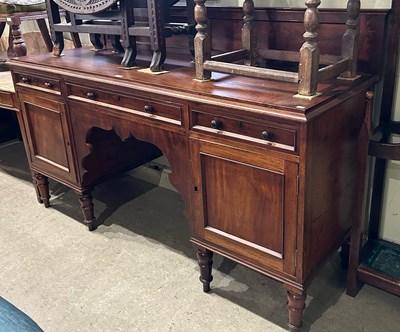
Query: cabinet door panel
[(246, 203), (48, 137), (45, 141), (254, 197)]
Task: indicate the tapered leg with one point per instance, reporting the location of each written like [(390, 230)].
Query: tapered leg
[(204, 258), (86, 201), (41, 183), (296, 304)]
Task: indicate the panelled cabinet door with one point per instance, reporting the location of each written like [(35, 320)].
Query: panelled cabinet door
[(48, 136), (246, 204)]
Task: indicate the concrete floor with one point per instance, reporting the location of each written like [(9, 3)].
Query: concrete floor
[(138, 271)]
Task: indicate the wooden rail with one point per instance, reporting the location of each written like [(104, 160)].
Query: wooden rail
[(308, 57)]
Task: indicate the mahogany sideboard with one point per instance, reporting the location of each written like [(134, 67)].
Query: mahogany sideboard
[(268, 180)]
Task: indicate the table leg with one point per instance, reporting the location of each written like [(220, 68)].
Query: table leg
[(204, 258), (86, 201), (41, 183), (157, 36), (18, 44), (296, 305)]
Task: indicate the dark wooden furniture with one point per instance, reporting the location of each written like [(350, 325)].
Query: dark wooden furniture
[(268, 180), (284, 29), (17, 45), (309, 72), (119, 19), (377, 262)]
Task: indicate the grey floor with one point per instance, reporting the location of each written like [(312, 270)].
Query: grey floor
[(138, 271)]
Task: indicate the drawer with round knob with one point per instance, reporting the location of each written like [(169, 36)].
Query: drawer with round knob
[(264, 133), (47, 84), (167, 111)]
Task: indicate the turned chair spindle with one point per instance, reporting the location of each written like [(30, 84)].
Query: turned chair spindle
[(351, 37), (202, 42), (249, 33), (309, 52)]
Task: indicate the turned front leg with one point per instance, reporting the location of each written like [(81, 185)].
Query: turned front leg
[(296, 305), (204, 258), (86, 201), (202, 41), (18, 44), (128, 42), (41, 183)]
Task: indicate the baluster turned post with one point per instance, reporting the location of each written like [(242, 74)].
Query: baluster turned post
[(309, 52), (202, 41), (351, 37), (249, 33)]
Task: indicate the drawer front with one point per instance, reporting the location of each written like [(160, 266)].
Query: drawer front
[(7, 100), (167, 111), (262, 133), (47, 84)]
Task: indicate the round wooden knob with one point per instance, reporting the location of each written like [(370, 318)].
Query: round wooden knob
[(216, 124), (91, 95), (48, 85), (266, 135), (149, 109), (369, 95), (25, 80)]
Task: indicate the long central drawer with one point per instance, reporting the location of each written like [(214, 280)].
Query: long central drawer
[(166, 111)]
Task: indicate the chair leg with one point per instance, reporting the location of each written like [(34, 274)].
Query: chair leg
[(18, 43), (45, 34), (74, 35), (116, 44), (95, 39), (157, 37)]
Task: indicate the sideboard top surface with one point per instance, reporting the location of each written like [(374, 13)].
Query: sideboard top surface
[(104, 68)]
